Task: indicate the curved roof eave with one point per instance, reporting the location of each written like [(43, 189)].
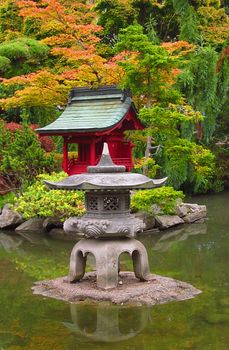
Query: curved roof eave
[(60, 131)]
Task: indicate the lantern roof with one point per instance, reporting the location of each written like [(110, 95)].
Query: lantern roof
[(106, 176), (91, 110)]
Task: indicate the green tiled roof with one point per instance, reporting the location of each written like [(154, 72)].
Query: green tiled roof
[(91, 110)]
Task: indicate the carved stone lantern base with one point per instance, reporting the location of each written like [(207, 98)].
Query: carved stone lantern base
[(114, 226), (106, 253)]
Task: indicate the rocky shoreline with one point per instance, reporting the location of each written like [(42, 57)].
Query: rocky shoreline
[(185, 213)]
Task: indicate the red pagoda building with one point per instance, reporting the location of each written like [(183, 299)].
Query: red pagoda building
[(92, 117)]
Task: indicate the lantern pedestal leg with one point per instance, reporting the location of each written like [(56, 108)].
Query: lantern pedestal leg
[(106, 253)]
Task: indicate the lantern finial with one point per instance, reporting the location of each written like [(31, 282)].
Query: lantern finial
[(106, 164)]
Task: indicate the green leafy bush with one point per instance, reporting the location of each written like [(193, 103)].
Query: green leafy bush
[(38, 201), (165, 197), (7, 198), (23, 48), (21, 157), (4, 64)]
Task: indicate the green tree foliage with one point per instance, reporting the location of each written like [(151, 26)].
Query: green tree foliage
[(22, 157), (10, 21), (48, 47), (5, 64), (193, 21), (144, 63), (213, 23), (188, 166), (114, 15), (170, 126), (191, 167), (188, 20), (205, 88), (23, 55)]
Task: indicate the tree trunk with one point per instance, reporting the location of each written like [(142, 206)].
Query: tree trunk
[(149, 138), (147, 153)]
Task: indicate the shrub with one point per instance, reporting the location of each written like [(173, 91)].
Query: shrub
[(39, 201), (22, 157), (12, 126), (23, 48), (4, 64), (165, 197), (46, 142), (6, 198)]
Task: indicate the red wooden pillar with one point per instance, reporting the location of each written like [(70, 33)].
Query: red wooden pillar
[(65, 155), (92, 152), (131, 145)]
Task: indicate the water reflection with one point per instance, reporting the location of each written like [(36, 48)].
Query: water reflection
[(34, 237), (185, 253), (107, 323), (181, 233), (8, 243)]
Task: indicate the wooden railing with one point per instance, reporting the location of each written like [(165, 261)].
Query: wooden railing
[(122, 161), (119, 161)]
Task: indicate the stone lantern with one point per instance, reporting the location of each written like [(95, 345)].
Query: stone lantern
[(104, 324), (108, 225)]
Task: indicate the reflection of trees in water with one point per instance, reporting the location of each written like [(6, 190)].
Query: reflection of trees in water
[(196, 253), (217, 207), (181, 233), (35, 255), (27, 320), (9, 243), (107, 323)]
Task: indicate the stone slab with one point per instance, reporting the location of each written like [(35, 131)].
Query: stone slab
[(157, 290), (166, 221), (33, 224)]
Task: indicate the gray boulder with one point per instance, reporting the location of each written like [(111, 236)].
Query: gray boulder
[(51, 223), (34, 224), (147, 219), (166, 221), (9, 218), (181, 210), (191, 206), (196, 213)]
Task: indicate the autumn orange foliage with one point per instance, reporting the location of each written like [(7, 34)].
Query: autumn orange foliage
[(178, 48), (69, 29)]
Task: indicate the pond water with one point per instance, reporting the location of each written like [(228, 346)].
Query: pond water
[(197, 254)]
